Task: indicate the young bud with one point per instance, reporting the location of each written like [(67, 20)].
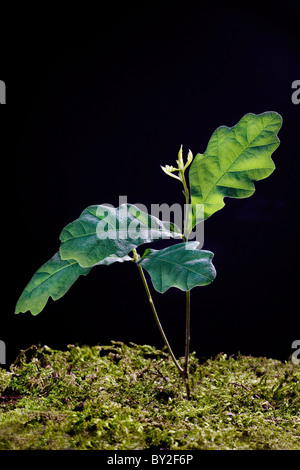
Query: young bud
[(189, 159), (168, 170), (180, 160)]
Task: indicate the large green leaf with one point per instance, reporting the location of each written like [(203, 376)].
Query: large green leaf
[(103, 231), (53, 279), (234, 158), (181, 265)]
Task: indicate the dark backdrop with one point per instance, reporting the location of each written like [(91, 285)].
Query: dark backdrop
[(97, 100)]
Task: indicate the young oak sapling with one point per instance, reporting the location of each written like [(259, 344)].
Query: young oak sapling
[(235, 157)]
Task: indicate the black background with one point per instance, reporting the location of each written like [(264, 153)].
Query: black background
[(97, 100)]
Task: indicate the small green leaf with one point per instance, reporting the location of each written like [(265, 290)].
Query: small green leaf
[(53, 279), (182, 266), (103, 231), (234, 158)]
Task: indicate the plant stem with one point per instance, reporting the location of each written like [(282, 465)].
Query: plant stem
[(187, 203), (187, 331), (188, 293), (135, 258)]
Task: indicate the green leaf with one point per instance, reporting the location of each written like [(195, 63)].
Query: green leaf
[(234, 158), (103, 231), (53, 279), (182, 266)]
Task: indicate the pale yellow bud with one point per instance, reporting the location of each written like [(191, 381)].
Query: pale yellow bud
[(180, 160)]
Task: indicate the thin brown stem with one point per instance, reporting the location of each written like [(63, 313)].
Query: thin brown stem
[(180, 370)]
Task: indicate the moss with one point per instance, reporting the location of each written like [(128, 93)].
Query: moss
[(129, 397)]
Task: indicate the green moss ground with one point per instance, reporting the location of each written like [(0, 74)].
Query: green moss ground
[(129, 397)]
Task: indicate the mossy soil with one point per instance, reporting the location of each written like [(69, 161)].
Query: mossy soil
[(129, 397)]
